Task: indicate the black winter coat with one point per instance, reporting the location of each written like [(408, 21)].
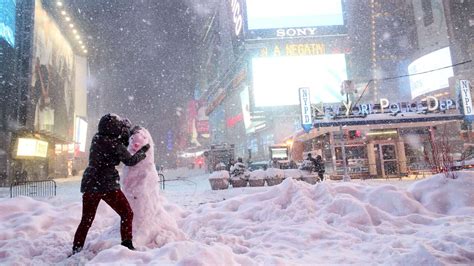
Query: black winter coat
[(106, 152)]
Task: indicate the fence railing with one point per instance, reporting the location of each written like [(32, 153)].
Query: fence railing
[(40, 188), (162, 180)]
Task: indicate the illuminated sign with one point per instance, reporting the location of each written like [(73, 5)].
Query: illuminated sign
[(305, 105), (32, 148), (232, 121), (221, 94), (296, 32), (237, 17), (295, 18), (81, 133), (300, 49), (7, 20), (276, 80), (466, 100), (348, 109), (422, 83)]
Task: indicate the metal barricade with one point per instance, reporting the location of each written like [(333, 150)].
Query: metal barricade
[(40, 188), (162, 180)]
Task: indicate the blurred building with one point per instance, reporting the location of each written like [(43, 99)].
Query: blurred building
[(44, 118), (256, 57)]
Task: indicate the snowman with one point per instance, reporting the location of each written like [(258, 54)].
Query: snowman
[(153, 226)]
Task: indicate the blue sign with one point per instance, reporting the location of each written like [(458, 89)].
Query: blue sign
[(169, 140), (7, 21), (305, 104)]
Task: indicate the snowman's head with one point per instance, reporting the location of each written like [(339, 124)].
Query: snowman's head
[(139, 137)]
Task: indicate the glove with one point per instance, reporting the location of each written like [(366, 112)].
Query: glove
[(145, 148)]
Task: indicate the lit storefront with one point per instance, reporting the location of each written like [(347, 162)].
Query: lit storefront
[(387, 139)]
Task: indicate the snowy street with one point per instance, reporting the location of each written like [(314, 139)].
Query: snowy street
[(409, 222)]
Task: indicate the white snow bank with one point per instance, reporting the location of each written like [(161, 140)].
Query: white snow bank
[(258, 174), (294, 223), (293, 173), (445, 195), (223, 174), (275, 173)]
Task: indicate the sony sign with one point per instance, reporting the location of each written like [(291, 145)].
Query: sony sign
[(237, 17), (295, 32)]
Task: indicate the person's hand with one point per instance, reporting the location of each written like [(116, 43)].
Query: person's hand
[(145, 148)]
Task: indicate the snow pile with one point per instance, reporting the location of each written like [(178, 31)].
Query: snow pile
[(293, 173), (223, 174), (275, 173), (446, 196), (258, 174), (294, 223)]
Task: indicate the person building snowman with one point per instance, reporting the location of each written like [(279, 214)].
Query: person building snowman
[(101, 180)]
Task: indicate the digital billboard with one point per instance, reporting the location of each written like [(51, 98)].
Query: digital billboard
[(53, 76), (80, 136), (285, 18), (276, 80), (7, 21), (434, 80)]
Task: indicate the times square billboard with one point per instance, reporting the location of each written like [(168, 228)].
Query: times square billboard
[(270, 19)]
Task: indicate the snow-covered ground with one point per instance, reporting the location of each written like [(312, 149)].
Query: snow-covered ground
[(409, 222)]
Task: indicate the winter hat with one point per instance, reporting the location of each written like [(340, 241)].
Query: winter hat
[(110, 125)]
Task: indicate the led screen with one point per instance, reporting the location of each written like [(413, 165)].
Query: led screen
[(424, 83), (32, 148), (273, 14), (81, 134), (7, 20), (276, 80)]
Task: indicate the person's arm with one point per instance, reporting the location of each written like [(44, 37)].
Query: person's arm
[(131, 160)]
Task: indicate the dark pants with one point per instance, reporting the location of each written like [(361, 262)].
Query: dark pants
[(321, 176), (90, 201)]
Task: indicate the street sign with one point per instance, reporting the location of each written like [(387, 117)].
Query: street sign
[(305, 104), (466, 97)]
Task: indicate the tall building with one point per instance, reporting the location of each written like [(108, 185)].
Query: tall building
[(45, 118)]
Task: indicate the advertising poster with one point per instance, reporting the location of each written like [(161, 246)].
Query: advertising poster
[(198, 123), (7, 21), (53, 76)]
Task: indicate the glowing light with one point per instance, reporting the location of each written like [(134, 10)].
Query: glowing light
[(74, 31), (71, 25), (68, 19), (59, 3), (63, 13), (78, 37)]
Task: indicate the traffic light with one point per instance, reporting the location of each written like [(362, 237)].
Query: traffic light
[(353, 134)]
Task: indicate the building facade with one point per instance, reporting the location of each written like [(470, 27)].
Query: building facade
[(45, 118), (408, 54)]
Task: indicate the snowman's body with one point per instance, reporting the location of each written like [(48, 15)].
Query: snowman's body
[(153, 226)]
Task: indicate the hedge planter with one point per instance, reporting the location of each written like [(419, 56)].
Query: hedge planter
[(238, 182), (274, 181), (219, 184), (219, 180), (257, 182)]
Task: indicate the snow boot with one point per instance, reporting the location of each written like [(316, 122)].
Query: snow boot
[(128, 244), (75, 250)]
